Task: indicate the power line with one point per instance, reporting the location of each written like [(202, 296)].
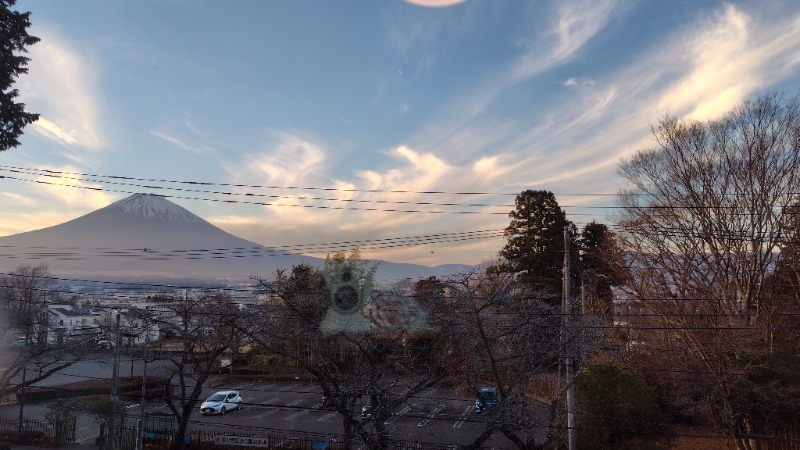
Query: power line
[(33, 252)]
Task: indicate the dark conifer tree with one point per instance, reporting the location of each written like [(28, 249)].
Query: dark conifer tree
[(602, 264), (14, 39), (535, 241)]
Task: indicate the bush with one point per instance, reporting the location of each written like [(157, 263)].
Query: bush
[(619, 410), (125, 385)]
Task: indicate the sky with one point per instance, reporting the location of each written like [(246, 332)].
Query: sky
[(389, 123)]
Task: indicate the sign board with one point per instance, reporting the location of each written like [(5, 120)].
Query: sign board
[(258, 442)]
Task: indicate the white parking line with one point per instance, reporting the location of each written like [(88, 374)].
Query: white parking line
[(269, 402), (297, 414), (463, 417), (429, 392), (266, 413), (397, 415), (326, 417), (284, 388), (269, 411), (430, 416)]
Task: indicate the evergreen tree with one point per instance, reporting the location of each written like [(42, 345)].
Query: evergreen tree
[(534, 250), (602, 265), (14, 38)]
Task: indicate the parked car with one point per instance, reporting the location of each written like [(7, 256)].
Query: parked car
[(485, 400), (221, 402), (23, 341), (105, 344), (366, 411)]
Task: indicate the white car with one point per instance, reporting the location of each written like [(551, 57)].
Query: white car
[(221, 402)]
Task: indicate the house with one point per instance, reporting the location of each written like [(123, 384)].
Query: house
[(69, 323)]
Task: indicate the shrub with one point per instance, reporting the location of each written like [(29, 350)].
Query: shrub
[(618, 409)]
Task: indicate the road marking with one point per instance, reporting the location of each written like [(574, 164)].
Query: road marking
[(269, 411), (430, 416), (283, 388), (297, 414), (463, 417), (327, 416), (269, 402), (397, 416), (429, 392), (131, 406), (265, 413)]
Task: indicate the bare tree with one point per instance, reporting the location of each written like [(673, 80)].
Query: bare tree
[(506, 339), (203, 328), (23, 300), (702, 218), (358, 342)]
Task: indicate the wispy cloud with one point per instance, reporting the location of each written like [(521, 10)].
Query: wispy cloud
[(420, 171), (201, 150), (572, 25), (292, 159), (73, 193), (574, 146), (729, 57), (63, 85), (435, 3), (289, 159), (578, 82), (700, 71)]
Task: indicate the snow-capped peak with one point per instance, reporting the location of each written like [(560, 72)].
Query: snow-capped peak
[(155, 207)]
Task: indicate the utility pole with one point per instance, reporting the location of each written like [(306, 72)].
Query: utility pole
[(30, 324), (568, 358), (142, 422), (113, 428), (21, 397)]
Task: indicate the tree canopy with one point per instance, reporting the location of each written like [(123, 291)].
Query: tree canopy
[(534, 250), (14, 39), (602, 264), (703, 217)]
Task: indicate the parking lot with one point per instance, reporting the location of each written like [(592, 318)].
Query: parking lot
[(434, 416)]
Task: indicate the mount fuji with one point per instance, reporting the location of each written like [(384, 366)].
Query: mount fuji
[(147, 237)]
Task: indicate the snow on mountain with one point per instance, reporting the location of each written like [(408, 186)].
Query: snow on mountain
[(147, 236), (153, 207)]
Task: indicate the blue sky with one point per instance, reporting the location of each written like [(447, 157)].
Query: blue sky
[(489, 96)]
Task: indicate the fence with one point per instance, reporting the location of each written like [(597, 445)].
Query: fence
[(37, 432), (214, 440), (47, 434)]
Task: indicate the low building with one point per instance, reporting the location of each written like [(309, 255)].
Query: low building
[(70, 323)]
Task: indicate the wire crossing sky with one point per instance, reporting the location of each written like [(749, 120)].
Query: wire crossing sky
[(380, 106)]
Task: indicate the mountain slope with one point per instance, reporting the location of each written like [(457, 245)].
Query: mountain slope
[(146, 236)]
